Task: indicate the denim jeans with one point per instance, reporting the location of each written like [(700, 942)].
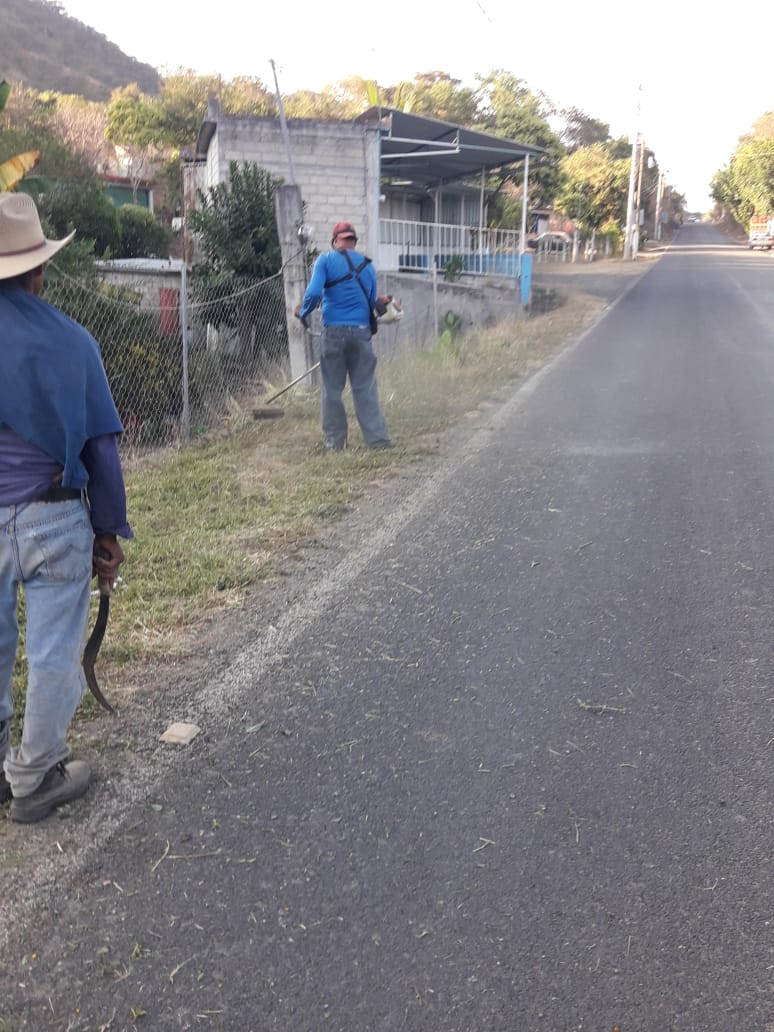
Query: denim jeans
[(349, 350), (46, 548)]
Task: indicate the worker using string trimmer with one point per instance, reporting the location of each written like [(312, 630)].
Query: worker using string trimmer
[(345, 281), (62, 508)]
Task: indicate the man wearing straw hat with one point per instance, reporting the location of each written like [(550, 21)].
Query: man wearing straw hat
[(62, 505)]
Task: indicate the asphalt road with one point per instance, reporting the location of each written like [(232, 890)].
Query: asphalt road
[(505, 761)]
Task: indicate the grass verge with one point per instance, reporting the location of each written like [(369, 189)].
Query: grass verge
[(214, 520)]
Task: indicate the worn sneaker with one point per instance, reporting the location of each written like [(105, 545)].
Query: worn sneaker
[(64, 782)]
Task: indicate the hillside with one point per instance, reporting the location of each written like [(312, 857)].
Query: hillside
[(46, 49)]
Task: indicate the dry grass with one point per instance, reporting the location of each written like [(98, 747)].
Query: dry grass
[(214, 520)]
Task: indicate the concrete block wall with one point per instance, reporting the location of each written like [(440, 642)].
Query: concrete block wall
[(148, 282), (424, 308), (335, 166)]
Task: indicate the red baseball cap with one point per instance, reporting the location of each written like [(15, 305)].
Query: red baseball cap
[(343, 229)]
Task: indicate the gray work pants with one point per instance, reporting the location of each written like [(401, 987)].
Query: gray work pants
[(349, 351)]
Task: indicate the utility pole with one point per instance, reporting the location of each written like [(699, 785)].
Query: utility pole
[(291, 229), (628, 236), (284, 125), (293, 238), (638, 202), (659, 198)]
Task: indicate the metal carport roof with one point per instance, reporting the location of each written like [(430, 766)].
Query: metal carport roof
[(431, 152)]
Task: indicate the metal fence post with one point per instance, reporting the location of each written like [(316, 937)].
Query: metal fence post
[(186, 426)]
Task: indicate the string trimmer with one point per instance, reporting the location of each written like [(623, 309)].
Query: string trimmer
[(272, 413)]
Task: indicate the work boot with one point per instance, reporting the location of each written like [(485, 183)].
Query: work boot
[(331, 445), (66, 781)]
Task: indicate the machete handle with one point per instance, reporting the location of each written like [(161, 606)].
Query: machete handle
[(105, 585)]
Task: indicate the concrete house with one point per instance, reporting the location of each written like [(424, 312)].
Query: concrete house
[(415, 189), (335, 165), (413, 186)]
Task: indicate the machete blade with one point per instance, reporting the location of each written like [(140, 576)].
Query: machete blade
[(94, 643)]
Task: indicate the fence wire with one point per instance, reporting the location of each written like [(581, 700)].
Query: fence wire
[(178, 356), (183, 353)]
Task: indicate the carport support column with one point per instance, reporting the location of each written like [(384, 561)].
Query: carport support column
[(524, 206), (434, 255), (289, 211), (481, 222)]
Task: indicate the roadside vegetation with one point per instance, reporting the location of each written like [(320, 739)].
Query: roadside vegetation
[(746, 185), (218, 521), (140, 136), (215, 522)]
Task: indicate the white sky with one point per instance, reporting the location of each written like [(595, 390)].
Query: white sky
[(703, 81)]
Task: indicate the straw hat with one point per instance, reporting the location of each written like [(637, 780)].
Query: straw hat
[(23, 246)]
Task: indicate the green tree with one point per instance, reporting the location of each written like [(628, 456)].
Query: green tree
[(83, 206), (348, 97), (582, 131), (172, 119), (181, 107), (401, 97), (308, 104), (29, 120), (133, 119), (134, 125), (246, 96), (236, 225), (236, 231), (433, 94), (746, 185), (724, 192), (67, 191), (438, 95), (595, 187), (141, 235), (168, 189), (504, 205), (751, 178), (508, 108), (344, 99)]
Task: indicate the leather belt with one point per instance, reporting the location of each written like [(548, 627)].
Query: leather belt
[(58, 494)]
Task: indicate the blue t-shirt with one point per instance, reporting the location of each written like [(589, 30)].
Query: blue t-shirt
[(343, 303)]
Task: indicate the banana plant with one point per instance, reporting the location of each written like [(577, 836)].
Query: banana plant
[(15, 168)]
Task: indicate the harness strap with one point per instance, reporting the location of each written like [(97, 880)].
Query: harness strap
[(349, 275)]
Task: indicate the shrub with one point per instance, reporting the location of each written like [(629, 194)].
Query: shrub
[(141, 235), (84, 207)]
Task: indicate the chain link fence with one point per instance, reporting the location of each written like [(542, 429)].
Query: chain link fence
[(179, 352), (183, 354)]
